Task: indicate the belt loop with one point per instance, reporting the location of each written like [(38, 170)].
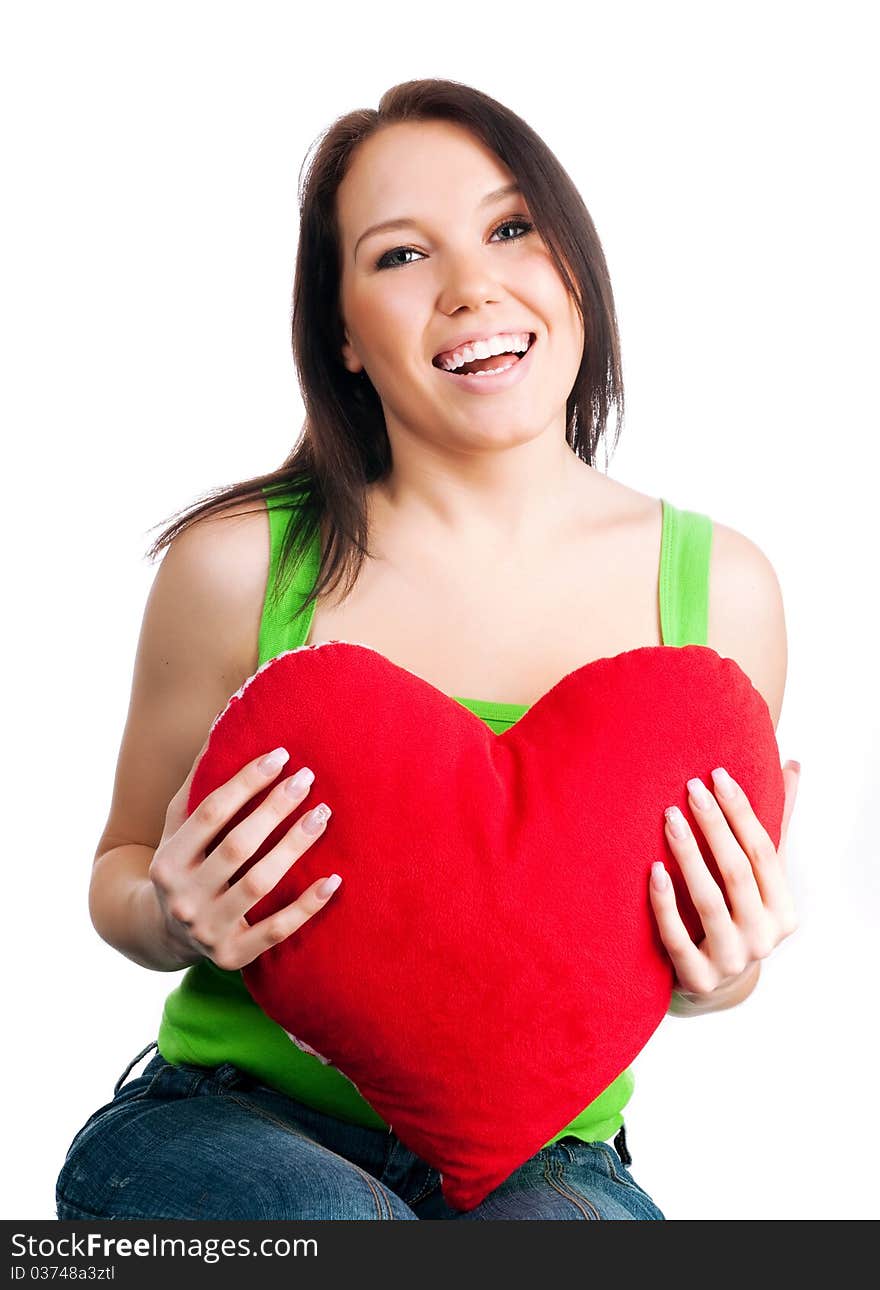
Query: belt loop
[(125, 1074), (621, 1148), (226, 1075)]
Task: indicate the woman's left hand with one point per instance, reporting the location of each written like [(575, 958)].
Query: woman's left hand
[(761, 910)]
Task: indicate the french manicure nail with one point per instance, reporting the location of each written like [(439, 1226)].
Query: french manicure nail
[(299, 782), (677, 822), (699, 792), (316, 819), (274, 760), (722, 781)]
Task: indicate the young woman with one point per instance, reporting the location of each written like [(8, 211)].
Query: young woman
[(457, 523)]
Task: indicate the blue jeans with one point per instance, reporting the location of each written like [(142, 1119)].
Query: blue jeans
[(197, 1142)]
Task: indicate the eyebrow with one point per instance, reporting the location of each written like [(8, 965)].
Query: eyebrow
[(507, 190)]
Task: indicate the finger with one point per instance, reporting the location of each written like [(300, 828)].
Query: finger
[(691, 969), (722, 829), (283, 923), (723, 945), (705, 893), (757, 846), (241, 843), (265, 875), (220, 806)]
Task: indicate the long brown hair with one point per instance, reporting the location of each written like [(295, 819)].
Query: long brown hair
[(344, 444)]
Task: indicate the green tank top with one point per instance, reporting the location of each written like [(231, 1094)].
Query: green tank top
[(210, 1018)]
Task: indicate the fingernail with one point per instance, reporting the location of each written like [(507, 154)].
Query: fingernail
[(316, 819), (677, 822), (329, 885), (299, 782), (723, 783), (274, 760), (659, 876), (699, 792)]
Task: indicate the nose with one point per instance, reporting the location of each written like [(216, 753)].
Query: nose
[(468, 281)]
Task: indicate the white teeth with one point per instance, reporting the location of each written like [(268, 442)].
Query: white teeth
[(501, 344)]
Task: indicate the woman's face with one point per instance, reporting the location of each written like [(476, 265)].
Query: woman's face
[(458, 270)]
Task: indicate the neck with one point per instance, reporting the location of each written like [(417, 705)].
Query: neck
[(509, 500)]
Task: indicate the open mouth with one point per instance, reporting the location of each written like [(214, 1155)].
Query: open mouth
[(493, 364)]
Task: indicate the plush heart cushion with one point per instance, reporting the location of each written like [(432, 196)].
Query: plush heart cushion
[(491, 961)]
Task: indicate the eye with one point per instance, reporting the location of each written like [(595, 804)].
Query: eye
[(525, 226)]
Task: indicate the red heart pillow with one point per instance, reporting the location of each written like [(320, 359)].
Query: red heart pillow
[(491, 961)]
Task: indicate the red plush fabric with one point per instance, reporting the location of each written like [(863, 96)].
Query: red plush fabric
[(491, 961)]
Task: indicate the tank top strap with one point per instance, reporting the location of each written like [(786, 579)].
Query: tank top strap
[(284, 625), (685, 549)]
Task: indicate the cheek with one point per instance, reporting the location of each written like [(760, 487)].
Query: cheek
[(391, 323), (566, 334), (378, 313), (573, 330), (550, 300)]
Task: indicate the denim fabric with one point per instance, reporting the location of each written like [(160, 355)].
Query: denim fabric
[(196, 1142)]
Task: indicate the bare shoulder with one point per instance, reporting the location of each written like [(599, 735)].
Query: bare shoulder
[(746, 613), (198, 643), (227, 557)]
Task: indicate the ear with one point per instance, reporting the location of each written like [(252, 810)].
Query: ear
[(350, 357)]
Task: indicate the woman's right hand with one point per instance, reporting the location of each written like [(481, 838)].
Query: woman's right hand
[(203, 913)]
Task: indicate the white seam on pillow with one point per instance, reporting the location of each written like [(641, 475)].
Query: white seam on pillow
[(313, 1052), (307, 1048), (269, 661)]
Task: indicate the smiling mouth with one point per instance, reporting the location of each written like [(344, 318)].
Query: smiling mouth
[(493, 362)]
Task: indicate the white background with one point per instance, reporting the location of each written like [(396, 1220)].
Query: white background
[(150, 162)]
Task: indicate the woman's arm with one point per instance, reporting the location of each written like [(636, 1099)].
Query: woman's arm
[(746, 614), (747, 624), (198, 644)]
